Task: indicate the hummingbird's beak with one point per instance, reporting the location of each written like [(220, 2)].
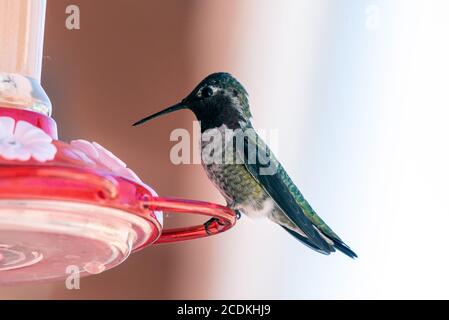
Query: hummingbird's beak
[(176, 107)]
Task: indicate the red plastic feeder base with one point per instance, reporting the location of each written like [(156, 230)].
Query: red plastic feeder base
[(75, 207)]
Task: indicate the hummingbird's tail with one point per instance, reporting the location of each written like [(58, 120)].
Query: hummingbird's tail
[(306, 241), (343, 247), (336, 243)]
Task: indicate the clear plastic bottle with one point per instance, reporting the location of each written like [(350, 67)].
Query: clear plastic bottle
[(21, 46)]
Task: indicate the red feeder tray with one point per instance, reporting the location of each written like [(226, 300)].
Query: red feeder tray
[(75, 207)]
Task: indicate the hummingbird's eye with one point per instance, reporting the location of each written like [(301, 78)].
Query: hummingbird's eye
[(207, 92)]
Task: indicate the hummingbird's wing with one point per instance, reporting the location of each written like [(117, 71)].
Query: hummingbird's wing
[(272, 177)]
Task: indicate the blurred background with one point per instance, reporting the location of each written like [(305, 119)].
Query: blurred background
[(358, 91)]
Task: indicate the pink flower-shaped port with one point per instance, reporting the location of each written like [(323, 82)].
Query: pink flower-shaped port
[(88, 151), (22, 141), (93, 151)]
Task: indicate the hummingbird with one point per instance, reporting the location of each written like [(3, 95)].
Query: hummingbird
[(220, 103)]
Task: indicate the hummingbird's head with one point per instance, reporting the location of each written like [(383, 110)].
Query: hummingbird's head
[(217, 100)]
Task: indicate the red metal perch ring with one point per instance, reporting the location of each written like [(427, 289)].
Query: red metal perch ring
[(225, 218)]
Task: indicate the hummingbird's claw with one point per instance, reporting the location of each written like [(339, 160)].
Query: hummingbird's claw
[(209, 222)]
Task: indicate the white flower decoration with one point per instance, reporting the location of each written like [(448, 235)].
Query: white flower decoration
[(23, 141), (86, 151)]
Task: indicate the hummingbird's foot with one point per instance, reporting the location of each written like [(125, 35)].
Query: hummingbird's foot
[(208, 223)]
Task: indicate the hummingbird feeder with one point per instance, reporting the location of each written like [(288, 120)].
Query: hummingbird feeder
[(67, 204)]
